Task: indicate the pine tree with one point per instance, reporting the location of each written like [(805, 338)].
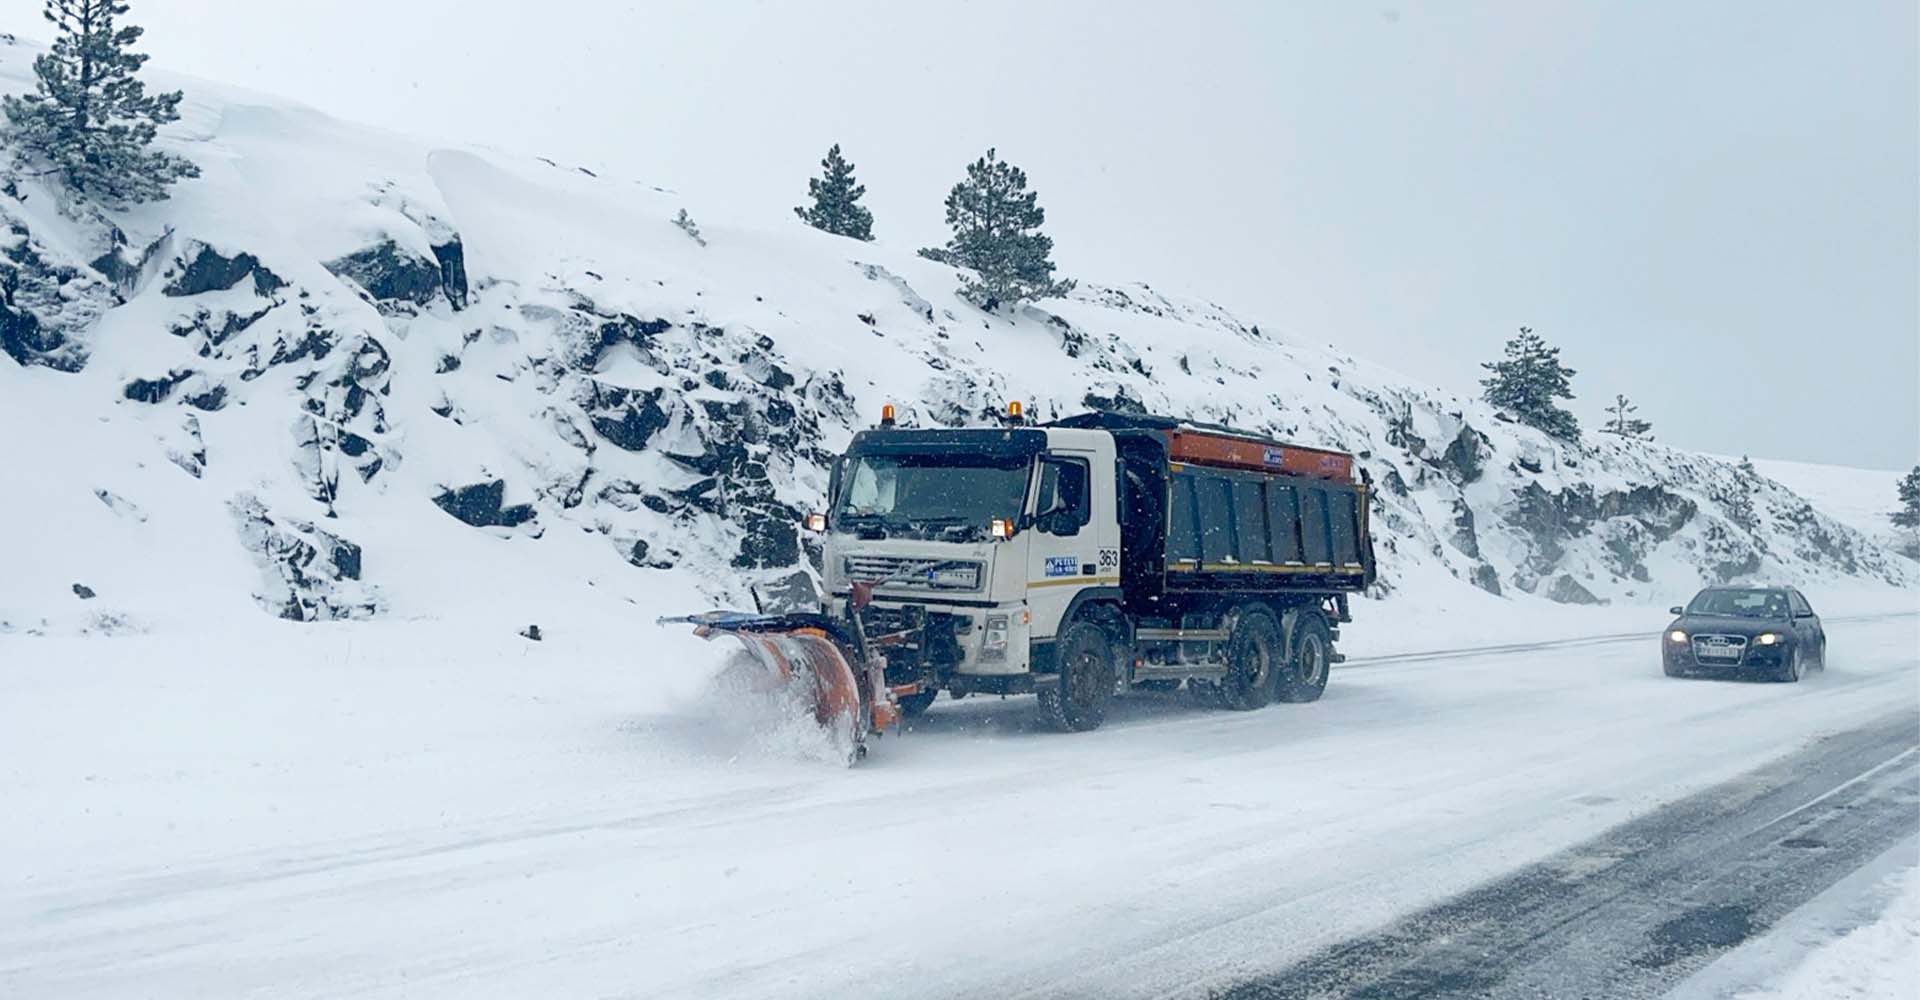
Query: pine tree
[(690, 227), (1738, 501), (996, 234), (1908, 516), (89, 118), (836, 196), (1529, 381), (1624, 423)]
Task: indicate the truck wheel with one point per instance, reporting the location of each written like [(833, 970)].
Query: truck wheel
[(1076, 700), (1255, 659), (1305, 676), (915, 705)]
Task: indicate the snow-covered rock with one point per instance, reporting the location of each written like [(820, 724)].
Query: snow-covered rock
[(367, 356)]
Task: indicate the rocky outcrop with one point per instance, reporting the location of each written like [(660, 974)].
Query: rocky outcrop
[(213, 328), (186, 447), (452, 257), (46, 305), (1629, 522), (1466, 455), (1465, 538), (626, 418), (483, 505), (393, 278), (1566, 590), (307, 574), (154, 390), (203, 269)]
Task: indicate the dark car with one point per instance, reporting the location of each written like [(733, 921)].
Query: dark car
[(1767, 632)]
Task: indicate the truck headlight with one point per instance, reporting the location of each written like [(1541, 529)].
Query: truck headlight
[(1769, 638), (1676, 636), (993, 645)]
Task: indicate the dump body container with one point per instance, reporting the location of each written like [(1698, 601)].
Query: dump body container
[(1225, 451)]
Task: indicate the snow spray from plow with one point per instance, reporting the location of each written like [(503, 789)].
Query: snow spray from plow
[(825, 659)]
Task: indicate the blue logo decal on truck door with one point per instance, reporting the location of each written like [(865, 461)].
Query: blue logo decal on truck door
[(1062, 565)]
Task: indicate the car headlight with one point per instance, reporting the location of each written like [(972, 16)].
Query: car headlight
[(1676, 636), (1769, 638)]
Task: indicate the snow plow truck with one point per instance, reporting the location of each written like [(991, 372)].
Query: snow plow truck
[(1074, 560)]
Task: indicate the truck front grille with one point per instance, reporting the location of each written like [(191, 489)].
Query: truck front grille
[(934, 574)]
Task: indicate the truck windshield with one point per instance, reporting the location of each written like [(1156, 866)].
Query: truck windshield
[(930, 494)]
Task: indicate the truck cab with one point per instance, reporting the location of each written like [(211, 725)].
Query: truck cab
[(981, 540)]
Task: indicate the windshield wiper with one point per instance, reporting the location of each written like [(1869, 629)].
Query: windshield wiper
[(865, 521)]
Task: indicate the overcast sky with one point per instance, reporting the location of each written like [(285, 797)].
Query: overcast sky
[(1712, 207)]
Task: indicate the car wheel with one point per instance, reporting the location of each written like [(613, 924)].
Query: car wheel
[(1076, 700), (1305, 675), (1795, 667), (1255, 658)]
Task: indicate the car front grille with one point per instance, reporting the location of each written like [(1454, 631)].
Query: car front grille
[(1719, 648)]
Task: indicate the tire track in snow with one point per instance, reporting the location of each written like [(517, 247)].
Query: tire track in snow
[(1636, 910), (1547, 645)]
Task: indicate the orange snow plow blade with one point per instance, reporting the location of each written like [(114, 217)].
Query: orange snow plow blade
[(818, 657)]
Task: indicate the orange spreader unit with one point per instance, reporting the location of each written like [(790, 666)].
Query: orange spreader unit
[(1224, 451)]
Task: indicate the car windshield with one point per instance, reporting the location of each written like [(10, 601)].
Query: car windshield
[(1740, 603), (925, 494)]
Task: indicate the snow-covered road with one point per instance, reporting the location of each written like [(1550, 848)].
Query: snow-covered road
[(367, 827)]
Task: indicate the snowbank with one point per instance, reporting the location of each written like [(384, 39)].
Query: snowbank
[(1878, 961)]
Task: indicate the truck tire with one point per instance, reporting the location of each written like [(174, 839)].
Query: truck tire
[(1076, 700), (1256, 657), (1305, 676)]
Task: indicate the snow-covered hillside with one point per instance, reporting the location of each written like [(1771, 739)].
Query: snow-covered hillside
[(1862, 498), (344, 375)]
